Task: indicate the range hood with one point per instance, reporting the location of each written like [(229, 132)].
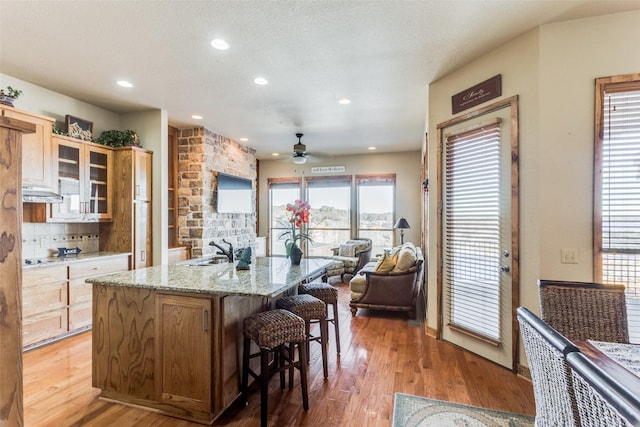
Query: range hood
[(39, 195)]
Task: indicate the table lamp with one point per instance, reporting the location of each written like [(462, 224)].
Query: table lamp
[(402, 224)]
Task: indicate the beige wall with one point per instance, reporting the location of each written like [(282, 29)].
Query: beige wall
[(39, 100), (552, 70), (405, 165)]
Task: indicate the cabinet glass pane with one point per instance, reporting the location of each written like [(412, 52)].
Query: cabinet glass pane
[(68, 162)]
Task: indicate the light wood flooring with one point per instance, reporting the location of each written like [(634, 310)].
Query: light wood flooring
[(382, 353)]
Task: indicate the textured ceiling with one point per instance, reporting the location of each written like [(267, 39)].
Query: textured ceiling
[(380, 54)]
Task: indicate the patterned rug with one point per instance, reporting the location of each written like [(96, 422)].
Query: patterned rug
[(413, 411)]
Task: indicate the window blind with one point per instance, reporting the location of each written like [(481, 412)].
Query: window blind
[(620, 197), (472, 231)]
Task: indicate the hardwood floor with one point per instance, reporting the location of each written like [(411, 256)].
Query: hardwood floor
[(382, 353)]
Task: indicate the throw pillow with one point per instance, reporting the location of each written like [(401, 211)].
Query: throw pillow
[(406, 258), (387, 262), (348, 249)]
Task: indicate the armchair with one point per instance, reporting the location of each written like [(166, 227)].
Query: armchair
[(392, 287), (353, 255)]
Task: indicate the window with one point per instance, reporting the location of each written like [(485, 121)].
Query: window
[(330, 215), (333, 218), (617, 190), (281, 192), (376, 213)]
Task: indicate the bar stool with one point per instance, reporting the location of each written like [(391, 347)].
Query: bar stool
[(329, 295), (310, 309), (272, 331)]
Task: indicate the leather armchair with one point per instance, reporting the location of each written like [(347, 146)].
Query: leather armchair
[(394, 291)]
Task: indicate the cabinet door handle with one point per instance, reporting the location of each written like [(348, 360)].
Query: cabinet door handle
[(142, 256), (205, 314), (137, 189)]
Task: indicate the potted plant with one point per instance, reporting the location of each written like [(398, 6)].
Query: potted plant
[(8, 95), (118, 138)]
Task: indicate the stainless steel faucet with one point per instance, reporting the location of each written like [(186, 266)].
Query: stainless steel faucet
[(228, 253)]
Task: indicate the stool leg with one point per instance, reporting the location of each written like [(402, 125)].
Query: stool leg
[(324, 333), (302, 351), (264, 386), (307, 330), (279, 363), (245, 369), (337, 325)]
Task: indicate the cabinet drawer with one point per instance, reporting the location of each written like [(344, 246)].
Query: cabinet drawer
[(45, 297), (98, 267), (44, 326), (79, 315), (39, 275), (79, 291)]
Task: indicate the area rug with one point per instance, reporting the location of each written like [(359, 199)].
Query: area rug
[(413, 411)]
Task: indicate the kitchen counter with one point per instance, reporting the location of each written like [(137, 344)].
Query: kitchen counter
[(267, 277), (170, 337)]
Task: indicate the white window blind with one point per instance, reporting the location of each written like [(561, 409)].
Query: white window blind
[(472, 231), (620, 197)]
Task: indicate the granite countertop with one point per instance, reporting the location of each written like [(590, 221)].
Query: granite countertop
[(46, 262), (266, 277)]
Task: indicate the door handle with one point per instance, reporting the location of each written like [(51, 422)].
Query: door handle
[(204, 320)]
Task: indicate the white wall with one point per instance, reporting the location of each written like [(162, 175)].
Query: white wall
[(552, 69), (405, 165)]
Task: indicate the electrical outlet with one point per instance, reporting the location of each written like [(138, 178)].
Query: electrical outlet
[(44, 242), (568, 256)]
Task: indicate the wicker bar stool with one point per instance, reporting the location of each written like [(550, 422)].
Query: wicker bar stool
[(272, 331), (310, 309), (329, 295)]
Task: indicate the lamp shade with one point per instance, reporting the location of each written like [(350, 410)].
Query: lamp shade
[(402, 223)]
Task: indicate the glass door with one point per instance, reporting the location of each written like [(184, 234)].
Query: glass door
[(70, 176)]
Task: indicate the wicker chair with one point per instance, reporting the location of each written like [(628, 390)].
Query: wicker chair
[(585, 311), (602, 401), (551, 377)]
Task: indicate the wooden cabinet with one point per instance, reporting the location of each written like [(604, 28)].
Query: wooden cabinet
[(84, 182), (44, 304), (185, 342), (130, 229), (56, 301), (191, 345), (38, 167)]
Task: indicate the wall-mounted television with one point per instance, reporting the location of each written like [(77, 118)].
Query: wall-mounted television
[(235, 194)]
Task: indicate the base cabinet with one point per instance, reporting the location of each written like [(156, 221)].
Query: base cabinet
[(56, 301), (185, 376), (183, 353)]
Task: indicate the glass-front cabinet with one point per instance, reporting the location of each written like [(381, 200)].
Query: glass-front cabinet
[(84, 171)]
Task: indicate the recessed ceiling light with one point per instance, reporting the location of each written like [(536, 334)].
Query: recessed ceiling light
[(275, 154), (244, 139), (372, 148), (197, 117), (344, 101), (124, 83), (260, 81), (220, 44)]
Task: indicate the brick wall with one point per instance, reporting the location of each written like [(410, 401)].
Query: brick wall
[(201, 155)]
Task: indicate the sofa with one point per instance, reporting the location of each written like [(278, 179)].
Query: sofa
[(392, 283), (350, 257)]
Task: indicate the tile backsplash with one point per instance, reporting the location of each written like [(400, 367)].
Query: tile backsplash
[(43, 240)]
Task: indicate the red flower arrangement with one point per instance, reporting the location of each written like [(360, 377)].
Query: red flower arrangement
[(298, 215)]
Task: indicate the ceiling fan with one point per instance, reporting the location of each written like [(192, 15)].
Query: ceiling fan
[(299, 151)]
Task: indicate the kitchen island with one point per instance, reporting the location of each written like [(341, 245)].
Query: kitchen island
[(169, 337)]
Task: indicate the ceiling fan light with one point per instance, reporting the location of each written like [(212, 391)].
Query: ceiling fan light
[(299, 159)]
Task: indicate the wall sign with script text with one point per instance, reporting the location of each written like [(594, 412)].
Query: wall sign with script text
[(325, 169), (488, 89)]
